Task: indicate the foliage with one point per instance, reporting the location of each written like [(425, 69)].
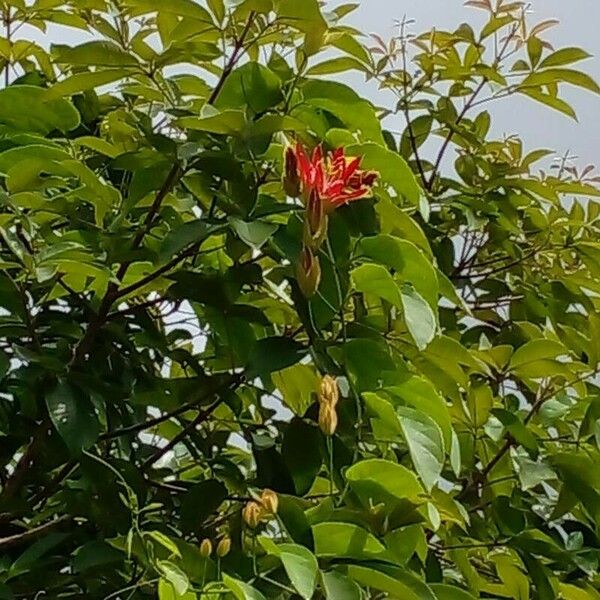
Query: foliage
[(163, 375)]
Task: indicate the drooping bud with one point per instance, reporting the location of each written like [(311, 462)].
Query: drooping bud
[(308, 272), (328, 391), (224, 546), (252, 514), (206, 548), (328, 419), (315, 221), (270, 501), (291, 177)]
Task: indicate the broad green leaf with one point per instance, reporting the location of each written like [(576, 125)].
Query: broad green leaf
[(536, 350), (225, 122), (241, 590), (401, 584), (297, 384), (300, 565), (425, 443), (392, 168), (375, 280), (274, 354), (551, 101), (174, 575), (409, 263), (558, 75), (449, 592), (90, 80), (180, 8), (199, 502), (353, 111), (32, 109), (346, 540), (73, 416), (532, 473), (254, 233), (165, 541), (564, 56), (420, 318), (96, 53), (340, 64), (301, 453), (166, 591), (420, 393), (251, 85), (336, 586), (381, 481)]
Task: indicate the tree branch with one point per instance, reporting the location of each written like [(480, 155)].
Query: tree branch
[(33, 534)]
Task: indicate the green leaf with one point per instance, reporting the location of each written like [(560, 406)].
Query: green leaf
[(449, 592), (252, 85), (167, 592), (420, 318), (375, 280), (557, 75), (336, 586), (391, 167), (297, 384), (344, 103), (73, 417), (241, 590), (300, 565), (340, 64), (273, 354), (532, 473), (301, 453), (165, 541), (33, 109), (425, 443), (536, 350), (96, 53), (551, 101), (402, 584), (564, 56), (174, 575), (199, 502), (253, 233), (381, 481), (81, 82), (346, 540), (230, 122), (409, 263), (421, 394), (179, 8)]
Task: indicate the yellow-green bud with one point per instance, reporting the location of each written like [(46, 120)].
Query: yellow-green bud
[(206, 548), (224, 546)]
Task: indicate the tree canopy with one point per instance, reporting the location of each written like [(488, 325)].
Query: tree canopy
[(261, 337)]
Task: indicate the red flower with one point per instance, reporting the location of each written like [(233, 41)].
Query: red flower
[(335, 177)]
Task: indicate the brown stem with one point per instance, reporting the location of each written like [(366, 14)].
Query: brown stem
[(138, 427), (33, 534), (202, 416), (233, 59), (465, 110)]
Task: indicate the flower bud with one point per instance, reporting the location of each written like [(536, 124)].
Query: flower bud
[(270, 501), (206, 548), (224, 546), (291, 177), (308, 272), (328, 391), (328, 419), (315, 221), (252, 514)]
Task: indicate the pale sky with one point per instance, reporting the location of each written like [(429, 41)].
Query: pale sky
[(539, 126)]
